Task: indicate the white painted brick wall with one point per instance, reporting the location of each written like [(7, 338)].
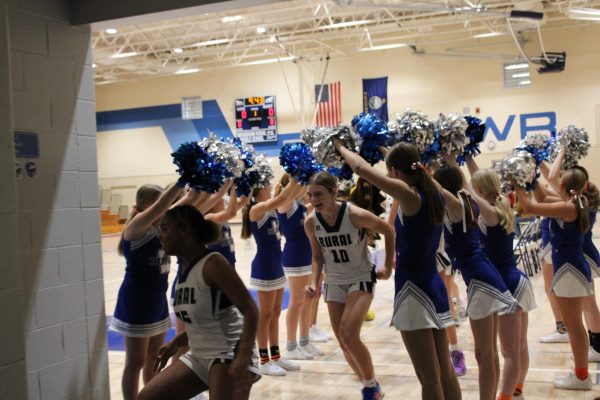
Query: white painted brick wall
[(58, 216)]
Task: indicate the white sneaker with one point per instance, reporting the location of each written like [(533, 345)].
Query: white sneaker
[(287, 364), (318, 336), (571, 382), (298, 354), (200, 396), (518, 397), (312, 350), (271, 368), (593, 355), (555, 337)]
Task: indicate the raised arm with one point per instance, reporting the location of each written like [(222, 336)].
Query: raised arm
[(214, 198), (260, 209), (230, 211), (562, 209), (409, 199), (471, 164), (554, 173), (318, 260), (144, 220), (364, 219)]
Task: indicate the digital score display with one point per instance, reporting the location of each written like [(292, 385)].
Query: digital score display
[(255, 119)]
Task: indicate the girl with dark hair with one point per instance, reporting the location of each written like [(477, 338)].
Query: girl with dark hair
[(218, 312), (267, 276), (572, 276), (488, 295), (421, 309), (336, 231), (497, 226), (142, 311)]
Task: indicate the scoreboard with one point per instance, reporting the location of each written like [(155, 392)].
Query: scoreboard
[(255, 119)]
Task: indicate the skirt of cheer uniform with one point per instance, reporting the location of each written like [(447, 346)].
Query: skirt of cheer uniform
[(297, 257)]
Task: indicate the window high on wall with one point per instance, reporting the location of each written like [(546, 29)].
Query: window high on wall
[(191, 107), (517, 75)]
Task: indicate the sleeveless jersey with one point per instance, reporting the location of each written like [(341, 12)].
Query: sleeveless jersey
[(266, 272), (225, 245), (589, 249), (545, 230), (296, 251), (146, 260), (213, 324), (498, 246), (567, 246), (347, 258)]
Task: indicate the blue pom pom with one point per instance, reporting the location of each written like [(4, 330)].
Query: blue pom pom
[(345, 173), (475, 133), (198, 168), (373, 133), (298, 161), (432, 153)]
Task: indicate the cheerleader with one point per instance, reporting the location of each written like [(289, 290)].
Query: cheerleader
[(142, 311), (488, 295), (267, 276), (218, 312), (421, 309), (336, 231), (572, 275), (497, 226), (297, 269)]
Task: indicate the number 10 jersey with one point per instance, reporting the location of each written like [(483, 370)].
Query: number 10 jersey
[(347, 258)]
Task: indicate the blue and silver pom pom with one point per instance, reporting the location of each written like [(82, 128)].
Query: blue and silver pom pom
[(198, 168), (320, 141), (225, 152), (298, 161), (413, 127), (474, 133), (373, 134), (521, 167), (538, 145), (451, 129)]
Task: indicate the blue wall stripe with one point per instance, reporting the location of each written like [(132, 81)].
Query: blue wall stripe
[(177, 130)]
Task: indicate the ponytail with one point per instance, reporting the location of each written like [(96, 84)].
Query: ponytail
[(246, 225), (505, 213), (435, 205), (469, 214), (574, 181), (583, 214)]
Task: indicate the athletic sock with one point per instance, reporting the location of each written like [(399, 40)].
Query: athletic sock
[(275, 353), (454, 347), (582, 373), (303, 340), (370, 383), (518, 389), (264, 356), (291, 345), (505, 396), (561, 327)]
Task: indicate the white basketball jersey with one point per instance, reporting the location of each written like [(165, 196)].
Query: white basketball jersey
[(347, 258), (213, 324)]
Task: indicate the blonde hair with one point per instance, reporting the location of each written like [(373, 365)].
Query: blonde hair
[(488, 183), (574, 181)]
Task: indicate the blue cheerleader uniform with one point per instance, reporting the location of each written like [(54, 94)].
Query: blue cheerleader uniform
[(572, 275), (266, 271), (487, 292), (142, 309), (297, 256), (225, 245), (421, 300), (589, 249), (546, 250), (498, 247)]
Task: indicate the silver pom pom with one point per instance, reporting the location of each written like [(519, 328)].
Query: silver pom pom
[(451, 130), (537, 140), (224, 152), (520, 166), (321, 142), (414, 127), (576, 143), (263, 167)]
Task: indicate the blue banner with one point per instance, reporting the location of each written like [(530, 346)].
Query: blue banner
[(375, 97)]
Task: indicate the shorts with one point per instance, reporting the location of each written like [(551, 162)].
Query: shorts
[(201, 366), (339, 292)]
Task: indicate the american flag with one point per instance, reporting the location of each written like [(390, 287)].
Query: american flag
[(329, 106)]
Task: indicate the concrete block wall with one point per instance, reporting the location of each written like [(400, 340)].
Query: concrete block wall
[(60, 347)]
